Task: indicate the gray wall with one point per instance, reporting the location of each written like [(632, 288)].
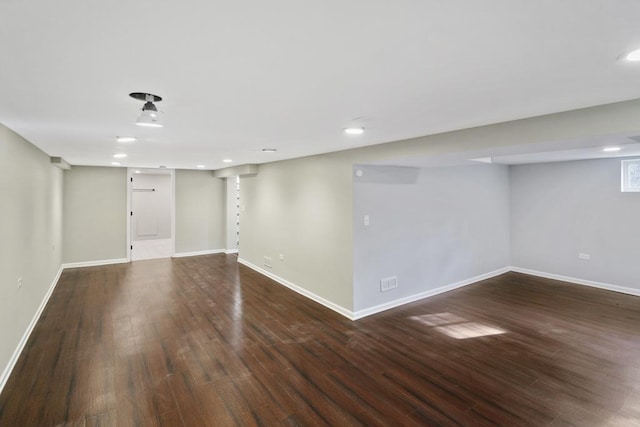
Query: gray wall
[(561, 209), (302, 210), (200, 211), (95, 214), (31, 235), (447, 225)]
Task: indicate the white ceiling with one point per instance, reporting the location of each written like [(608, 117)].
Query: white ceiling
[(240, 76)]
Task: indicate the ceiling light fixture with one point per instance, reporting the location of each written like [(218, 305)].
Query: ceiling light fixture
[(200, 166), (115, 163), (611, 149), (227, 160), (119, 155), (150, 115), (125, 139), (354, 131)]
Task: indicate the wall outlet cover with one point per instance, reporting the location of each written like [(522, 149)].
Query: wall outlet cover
[(388, 283)]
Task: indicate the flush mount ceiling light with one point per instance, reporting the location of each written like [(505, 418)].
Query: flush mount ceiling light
[(200, 166), (227, 160), (115, 163), (119, 155), (611, 149), (354, 130), (125, 139), (150, 115)]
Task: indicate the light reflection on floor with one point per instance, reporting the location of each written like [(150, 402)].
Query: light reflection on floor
[(457, 327)]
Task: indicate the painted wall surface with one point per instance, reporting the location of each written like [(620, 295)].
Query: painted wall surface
[(200, 211), (151, 209), (444, 226), (31, 235), (559, 210), (95, 214), (302, 210)]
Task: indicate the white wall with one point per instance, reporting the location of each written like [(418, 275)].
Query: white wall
[(562, 209), (95, 214), (31, 237), (151, 209), (445, 226), (200, 212)]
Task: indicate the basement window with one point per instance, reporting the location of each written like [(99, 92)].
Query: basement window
[(631, 175)]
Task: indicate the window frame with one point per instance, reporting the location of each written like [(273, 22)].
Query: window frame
[(624, 181)]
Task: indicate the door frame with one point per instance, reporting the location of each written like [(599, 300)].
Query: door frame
[(131, 173)]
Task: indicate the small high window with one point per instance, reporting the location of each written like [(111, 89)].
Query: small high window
[(631, 175)]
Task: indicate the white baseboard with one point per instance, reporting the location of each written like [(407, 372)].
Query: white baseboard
[(198, 253), (591, 283), (335, 307), (95, 263), (412, 298), (231, 251), (25, 337)]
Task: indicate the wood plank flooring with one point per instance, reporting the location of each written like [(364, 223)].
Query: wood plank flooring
[(203, 341)]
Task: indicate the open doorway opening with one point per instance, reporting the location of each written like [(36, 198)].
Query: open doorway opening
[(151, 213)]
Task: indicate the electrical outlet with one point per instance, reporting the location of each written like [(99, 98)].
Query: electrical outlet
[(19, 282), (388, 283), (267, 262), (366, 220), (583, 256), (281, 257)]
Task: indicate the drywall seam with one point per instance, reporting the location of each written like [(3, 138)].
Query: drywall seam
[(25, 337), (330, 305), (574, 280)]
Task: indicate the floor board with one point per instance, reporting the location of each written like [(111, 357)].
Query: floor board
[(204, 341)]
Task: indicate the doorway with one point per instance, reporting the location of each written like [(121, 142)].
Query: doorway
[(151, 212)]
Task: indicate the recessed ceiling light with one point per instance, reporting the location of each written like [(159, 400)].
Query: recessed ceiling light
[(269, 150), (611, 149), (633, 56), (200, 166), (115, 163), (227, 160), (125, 139), (354, 131), (119, 155), (137, 171)]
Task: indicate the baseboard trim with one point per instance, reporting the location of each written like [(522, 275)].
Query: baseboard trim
[(575, 280), (432, 292), (6, 373), (330, 305), (198, 253), (231, 251), (95, 263)]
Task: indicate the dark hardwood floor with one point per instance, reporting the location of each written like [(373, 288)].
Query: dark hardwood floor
[(203, 341)]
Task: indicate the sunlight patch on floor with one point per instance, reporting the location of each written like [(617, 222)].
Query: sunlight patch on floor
[(456, 327)]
